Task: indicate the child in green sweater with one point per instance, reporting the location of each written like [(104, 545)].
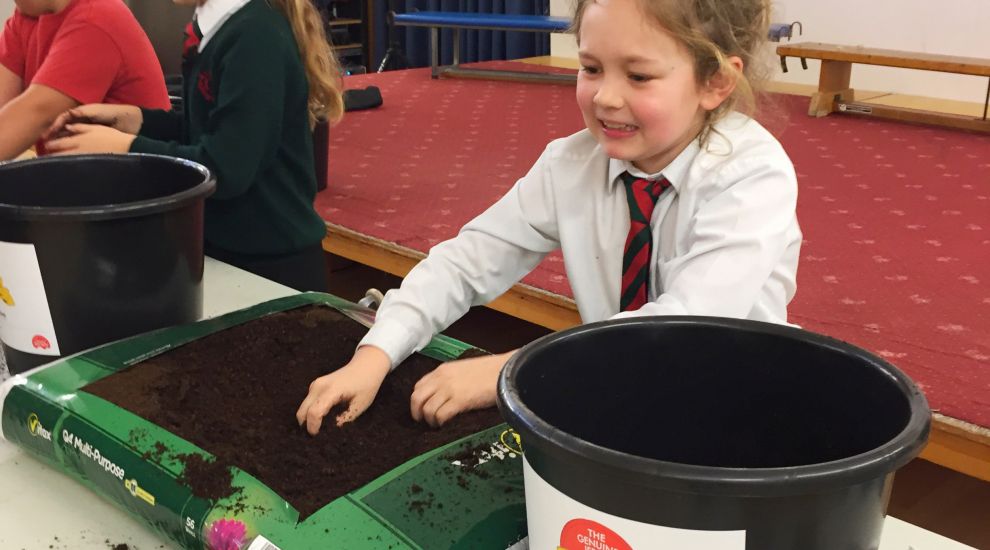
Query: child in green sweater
[(257, 76)]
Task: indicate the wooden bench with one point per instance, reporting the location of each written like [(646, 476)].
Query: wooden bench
[(834, 92), (436, 20)]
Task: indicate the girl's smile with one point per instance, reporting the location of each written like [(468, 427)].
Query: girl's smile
[(617, 130)]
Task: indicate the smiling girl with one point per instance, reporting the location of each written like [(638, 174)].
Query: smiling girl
[(669, 203)]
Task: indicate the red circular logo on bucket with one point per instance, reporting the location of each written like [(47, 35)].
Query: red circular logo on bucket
[(584, 534), (40, 342)]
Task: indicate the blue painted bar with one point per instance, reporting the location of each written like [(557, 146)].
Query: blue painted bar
[(509, 22)]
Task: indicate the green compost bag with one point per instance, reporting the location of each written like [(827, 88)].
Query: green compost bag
[(93, 441)]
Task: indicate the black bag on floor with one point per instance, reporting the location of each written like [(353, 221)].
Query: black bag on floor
[(368, 98)]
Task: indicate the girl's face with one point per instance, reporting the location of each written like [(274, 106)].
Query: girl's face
[(637, 89)]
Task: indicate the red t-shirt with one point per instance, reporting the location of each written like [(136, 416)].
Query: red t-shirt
[(93, 51)]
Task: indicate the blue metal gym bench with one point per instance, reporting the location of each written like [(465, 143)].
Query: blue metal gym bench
[(436, 20)]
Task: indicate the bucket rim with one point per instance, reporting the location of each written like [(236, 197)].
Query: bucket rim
[(110, 211), (716, 480)]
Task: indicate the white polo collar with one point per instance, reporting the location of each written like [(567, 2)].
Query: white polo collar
[(212, 14), (673, 172)]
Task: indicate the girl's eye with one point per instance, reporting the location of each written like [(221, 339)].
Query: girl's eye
[(589, 70), (640, 77)]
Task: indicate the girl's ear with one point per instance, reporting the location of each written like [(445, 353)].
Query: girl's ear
[(721, 84)]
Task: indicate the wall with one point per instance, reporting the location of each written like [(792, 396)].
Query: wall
[(561, 45), (949, 27), (163, 22), (6, 9)]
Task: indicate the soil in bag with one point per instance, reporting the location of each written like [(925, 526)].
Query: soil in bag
[(235, 393)]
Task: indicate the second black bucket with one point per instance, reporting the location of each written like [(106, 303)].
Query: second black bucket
[(703, 433), (97, 248)]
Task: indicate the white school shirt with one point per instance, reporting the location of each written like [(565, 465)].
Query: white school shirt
[(212, 14), (725, 238)]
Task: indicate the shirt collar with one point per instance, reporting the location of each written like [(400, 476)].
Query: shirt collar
[(673, 172), (212, 14)]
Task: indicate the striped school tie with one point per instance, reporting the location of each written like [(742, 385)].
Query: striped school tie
[(193, 36), (641, 195)]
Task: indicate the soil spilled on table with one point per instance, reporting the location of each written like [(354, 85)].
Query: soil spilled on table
[(235, 394)]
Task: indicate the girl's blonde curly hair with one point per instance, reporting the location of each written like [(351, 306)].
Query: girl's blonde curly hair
[(320, 63)]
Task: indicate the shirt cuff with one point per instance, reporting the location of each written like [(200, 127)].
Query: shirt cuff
[(392, 337)]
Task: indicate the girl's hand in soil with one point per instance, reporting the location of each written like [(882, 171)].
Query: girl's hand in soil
[(356, 384), (125, 118), (90, 138), (456, 387)]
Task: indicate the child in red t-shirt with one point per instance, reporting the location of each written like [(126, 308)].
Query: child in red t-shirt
[(58, 54)]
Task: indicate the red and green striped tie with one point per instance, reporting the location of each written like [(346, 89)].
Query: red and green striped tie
[(642, 196), (193, 37)]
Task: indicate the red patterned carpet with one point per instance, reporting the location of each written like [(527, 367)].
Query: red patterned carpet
[(896, 217)]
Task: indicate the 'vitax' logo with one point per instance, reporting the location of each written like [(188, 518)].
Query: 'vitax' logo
[(5, 295), (36, 429)]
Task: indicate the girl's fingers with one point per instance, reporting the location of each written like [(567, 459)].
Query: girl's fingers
[(353, 411), (431, 407), (447, 411), (69, 141), (65, 119), (61, 145), (80, 128), (304, 407), (422, 392), (72, 142), (55, 128), (313, 393), (319, 409)]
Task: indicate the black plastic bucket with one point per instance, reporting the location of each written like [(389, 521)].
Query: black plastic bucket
[(708, 433), (95, 248)]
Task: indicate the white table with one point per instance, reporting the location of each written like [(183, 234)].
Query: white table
[(41, 508)]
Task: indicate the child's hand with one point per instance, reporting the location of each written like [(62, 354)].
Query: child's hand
[(125, 118), (457, 387), (90, 138), (356, 383)]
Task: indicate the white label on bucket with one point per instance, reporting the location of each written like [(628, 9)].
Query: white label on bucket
[(25, 320), (558, 522)]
